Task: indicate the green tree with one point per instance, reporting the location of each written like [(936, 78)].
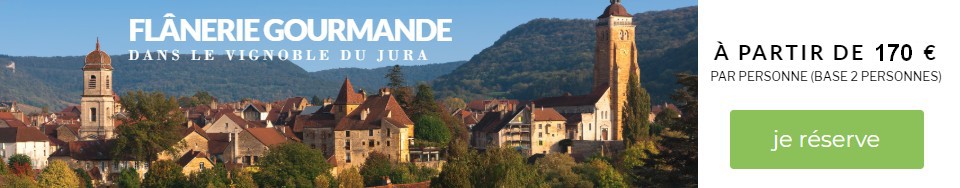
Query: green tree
[(459, 167), (58, 174), (316, 101), (4, 168), (150, 126), (291, 164), (129, 178), (431, 128), (377, 167), (424, 102), (85, 180), (322, 182), (676, 166), (398, 85), (350, 178), (557, 171), (453, 103), (20, 164), (497, 163), (602, 174), (17, 181), (241, 179), (636, 125), (213, 177), (164, 173)]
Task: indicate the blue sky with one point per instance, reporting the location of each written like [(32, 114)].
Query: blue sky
[(69, 28)]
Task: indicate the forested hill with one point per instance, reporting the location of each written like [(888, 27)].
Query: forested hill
[(548, 57), (372, 79), (56, 82)]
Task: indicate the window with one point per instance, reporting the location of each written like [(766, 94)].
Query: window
[(388, 143), (540, 135), (348, 133), (541, 142), (347, 145), (371, 132), (548, 128), (92, 84), (348, 157), (371, 143), (108, 82), (201, 166), (388, 132), (93, 114), (246, 160)]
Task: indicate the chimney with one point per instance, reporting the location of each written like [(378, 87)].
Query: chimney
[(364, 113), (384, 91)]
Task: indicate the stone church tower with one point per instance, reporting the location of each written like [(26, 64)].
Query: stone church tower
[(615, 59), (97, 104)]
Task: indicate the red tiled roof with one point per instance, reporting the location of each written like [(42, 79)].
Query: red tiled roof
[(316, 120), (485, 105), (547, 114), (379, 107), (267, 136), (189, 156), (21, 134), (570, 100), (615, 9), (218, 142), (97, 59), (347, 95), (194, 128)]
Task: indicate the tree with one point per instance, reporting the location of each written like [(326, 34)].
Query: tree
[(20, 164), (602, 174), (316, 101), (377, 167), (129, 178), (4, 169), (636, 125), (676, 166), (431, 128), (213, 177), (85, 180), (18, 181), (58, 174), (291, 164), (151, 126), (453, 103), (164, 173), (321, 182), (497, 163), (557, 171), (350, 178), (457, 171), (424, 103), (242, 179), (397, 84)]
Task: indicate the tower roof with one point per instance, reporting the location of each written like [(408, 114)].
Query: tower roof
[(97, 59), (615, 9), (348, 95)]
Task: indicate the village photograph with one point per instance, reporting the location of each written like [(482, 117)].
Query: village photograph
[(605, 101)]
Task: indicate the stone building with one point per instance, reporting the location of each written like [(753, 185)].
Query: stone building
[(354, 125), (588, 116), (615, 60), (98, 105), (529, 129)]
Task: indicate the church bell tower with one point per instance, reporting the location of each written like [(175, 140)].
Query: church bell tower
[(615, 59), (97, 104)]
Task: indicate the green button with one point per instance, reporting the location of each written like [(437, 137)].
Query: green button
[(826, 139)]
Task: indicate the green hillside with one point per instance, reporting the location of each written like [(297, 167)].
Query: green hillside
[(548, 57), (56, 81)]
